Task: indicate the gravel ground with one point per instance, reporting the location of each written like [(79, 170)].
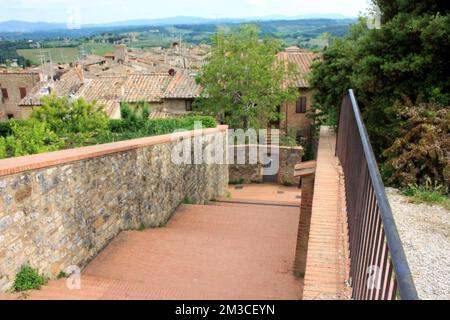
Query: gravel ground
[(425, 234)]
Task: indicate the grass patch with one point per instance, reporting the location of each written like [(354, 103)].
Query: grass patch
[(188, 201), (59, 55), (141, 227), (28, 279), (62, 275), (428, 194), (287, 184)]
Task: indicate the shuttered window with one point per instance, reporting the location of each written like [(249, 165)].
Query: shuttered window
[(188, 105), (301, 105), (23, 92), (4, 94)]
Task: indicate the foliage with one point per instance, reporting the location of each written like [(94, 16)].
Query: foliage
[(430, 193), (61, 123), (76, 121), (5, 126), (8, 52), (242, 81), (28, 279), (135, 116), (406, 59), (124, 129), (290, 139), (422, 149), (29, 138)]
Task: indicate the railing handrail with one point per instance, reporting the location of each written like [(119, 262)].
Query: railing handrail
[(403, 274)]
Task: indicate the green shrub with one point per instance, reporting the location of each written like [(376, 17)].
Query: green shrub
[(124, 129), (3, 153), (76, 120), (240, 181), (430, 193), (5, 127), (60, 123), (421, 151), (28, 279), (30, 137)]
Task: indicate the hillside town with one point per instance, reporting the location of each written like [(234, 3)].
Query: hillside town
[(265, 157), (164, 78)]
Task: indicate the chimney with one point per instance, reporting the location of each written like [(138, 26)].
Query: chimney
[(79, 71)]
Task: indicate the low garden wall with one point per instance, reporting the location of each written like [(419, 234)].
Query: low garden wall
[(61, 209), (246, 173)]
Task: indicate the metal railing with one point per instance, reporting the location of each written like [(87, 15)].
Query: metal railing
[(378, 266)]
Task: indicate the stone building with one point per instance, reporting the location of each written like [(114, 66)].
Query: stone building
[(14, 86), (295, 113), (168, 94), (121, 54)]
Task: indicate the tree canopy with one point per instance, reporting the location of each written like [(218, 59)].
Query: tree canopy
[(243, 83), (404, 60)]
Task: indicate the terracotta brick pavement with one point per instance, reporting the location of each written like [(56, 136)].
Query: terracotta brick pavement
[(220, 251), (327, 263)]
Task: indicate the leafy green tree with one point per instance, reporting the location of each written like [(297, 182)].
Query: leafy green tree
[(75, 120), (405, 59), (243, 83)]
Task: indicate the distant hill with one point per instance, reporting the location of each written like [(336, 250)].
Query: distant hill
[(16, 26), (24, 26)]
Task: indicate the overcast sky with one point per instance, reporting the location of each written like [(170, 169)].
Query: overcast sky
[(100, 11)]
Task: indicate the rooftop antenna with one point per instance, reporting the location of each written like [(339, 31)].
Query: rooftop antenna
[(50, 66), (42, 60)]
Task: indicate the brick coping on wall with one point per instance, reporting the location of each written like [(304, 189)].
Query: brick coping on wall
[(44, 160), (268, 146)]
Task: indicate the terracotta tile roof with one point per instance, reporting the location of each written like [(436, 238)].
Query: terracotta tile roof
[(107, 91), (110, 90), (69, 84), (92, 59), (146, 87), (303, 61), (182, 86)]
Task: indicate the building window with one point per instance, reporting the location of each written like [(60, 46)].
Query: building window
[(301, 105), (10, 116), (188, 105), (4, 94), (23, 92)]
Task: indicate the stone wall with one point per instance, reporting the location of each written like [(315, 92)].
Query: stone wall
[(247, 173), (297, 121), (12, 82), (61, 209)]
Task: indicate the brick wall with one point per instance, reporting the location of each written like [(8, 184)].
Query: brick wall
[(60, 209), (304, 226)]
